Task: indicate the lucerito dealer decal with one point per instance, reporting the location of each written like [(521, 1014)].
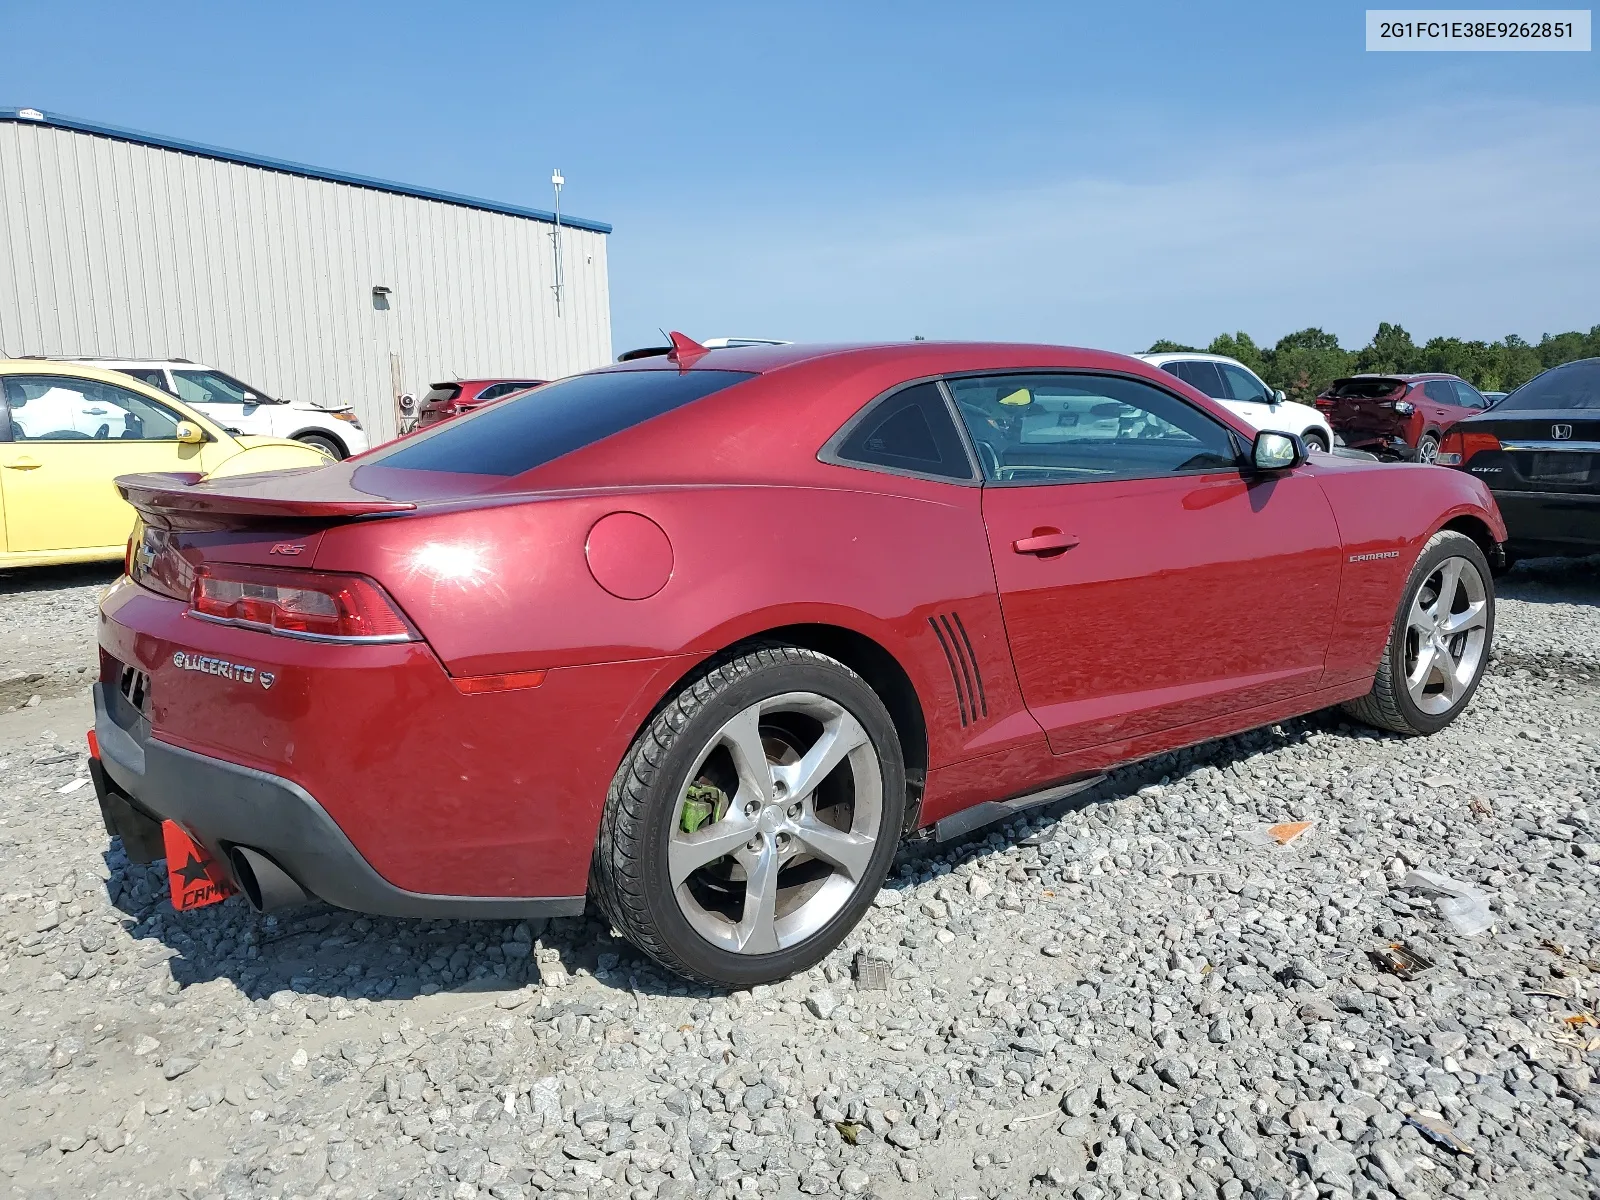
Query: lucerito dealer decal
[(187, 660)]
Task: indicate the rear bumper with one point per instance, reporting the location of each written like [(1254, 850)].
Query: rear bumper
[(222, 805), (1550, 523), (1382, 445)]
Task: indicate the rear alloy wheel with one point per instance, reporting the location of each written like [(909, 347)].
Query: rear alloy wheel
[(754, 820), (1428, 448), (1314, 440), (1440, 642)]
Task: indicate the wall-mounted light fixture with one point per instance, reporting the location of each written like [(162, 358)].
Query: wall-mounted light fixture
[(380, 296)]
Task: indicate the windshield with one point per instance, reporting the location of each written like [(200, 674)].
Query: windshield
[(213, 387), (530, 429), (1574, 385)]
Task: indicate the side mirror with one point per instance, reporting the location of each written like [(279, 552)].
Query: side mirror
[(1278, 397), (191, 434), (1277, 451)]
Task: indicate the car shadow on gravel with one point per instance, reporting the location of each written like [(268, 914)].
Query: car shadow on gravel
[(316, 950), (52, 579), (320, 951), (1552, 581)]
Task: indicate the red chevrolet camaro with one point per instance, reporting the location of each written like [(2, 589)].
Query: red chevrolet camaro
[(704, 636)]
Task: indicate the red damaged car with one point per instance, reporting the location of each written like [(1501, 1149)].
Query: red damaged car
[(1398, 416), (461, 396), (703, 637)]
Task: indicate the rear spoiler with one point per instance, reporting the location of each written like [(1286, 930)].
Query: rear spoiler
[(181, 496)]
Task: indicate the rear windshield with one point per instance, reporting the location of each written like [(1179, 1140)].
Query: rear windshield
[(532, 429), (1572, 385), (1363, 389)]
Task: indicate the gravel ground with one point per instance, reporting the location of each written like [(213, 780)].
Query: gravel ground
[(1141, 996)]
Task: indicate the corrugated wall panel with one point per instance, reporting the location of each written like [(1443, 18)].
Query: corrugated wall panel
[(112, 248)]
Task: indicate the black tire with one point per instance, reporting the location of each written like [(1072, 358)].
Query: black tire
[(628, 874), (324, 443), (1389, 705), (1427, 447), (1314, 440)]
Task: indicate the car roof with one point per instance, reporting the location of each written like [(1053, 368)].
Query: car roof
[(1165, 356), (112, 361), (1412, 377), (796, 397), (936, 357)]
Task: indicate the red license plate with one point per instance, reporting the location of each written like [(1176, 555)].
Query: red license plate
[(193, 876)]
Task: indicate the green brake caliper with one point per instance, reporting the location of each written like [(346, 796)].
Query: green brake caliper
[(703, 803)]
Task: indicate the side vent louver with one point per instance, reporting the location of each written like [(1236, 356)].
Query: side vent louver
[(964, 673)]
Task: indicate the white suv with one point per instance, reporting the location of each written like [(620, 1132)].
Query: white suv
[(240, 408), (1235, 385)]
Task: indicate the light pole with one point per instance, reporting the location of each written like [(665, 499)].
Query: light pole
[(556, 180)]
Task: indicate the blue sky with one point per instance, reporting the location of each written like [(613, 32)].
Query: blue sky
[(1099, 175)]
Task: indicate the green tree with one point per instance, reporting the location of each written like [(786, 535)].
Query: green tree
[(1306, 361), (1165, 347), (1555, 349), (1391, 351), (1241, 346), (1473, 361)]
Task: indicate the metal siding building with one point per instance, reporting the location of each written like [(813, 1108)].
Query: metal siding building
[(117, 243)]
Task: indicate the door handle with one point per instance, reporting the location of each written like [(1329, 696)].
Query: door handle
[(24, 464), (1045, 541)]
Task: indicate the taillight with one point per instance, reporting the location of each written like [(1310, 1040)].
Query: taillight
[(134, 539), (1404, 407), (306, 604), (1460, 446)]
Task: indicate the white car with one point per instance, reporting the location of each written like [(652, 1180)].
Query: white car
[(240, 408), (1239, 388)]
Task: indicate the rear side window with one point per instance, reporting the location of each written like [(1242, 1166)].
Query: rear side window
[(1202, 375), (530, 430), (155, 378), (909, 431), (1439, 391)]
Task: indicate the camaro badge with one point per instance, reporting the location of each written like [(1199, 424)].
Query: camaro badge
[(188, 660), (1374, 555)]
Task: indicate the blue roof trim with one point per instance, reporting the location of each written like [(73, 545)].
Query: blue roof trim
[(294, 168)]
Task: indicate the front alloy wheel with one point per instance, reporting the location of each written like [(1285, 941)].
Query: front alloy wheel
[(1447, 632), (754, 818)]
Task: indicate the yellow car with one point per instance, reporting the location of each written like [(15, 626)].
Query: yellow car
[(67, 431)]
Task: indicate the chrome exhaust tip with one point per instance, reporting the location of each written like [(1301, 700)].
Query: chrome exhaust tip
[(264, 883)]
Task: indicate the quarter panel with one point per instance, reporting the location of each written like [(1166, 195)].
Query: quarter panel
[(504, 588)]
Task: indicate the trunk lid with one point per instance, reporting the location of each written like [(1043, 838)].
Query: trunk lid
[(1547, 450), (1364, 406), (275, 519)]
